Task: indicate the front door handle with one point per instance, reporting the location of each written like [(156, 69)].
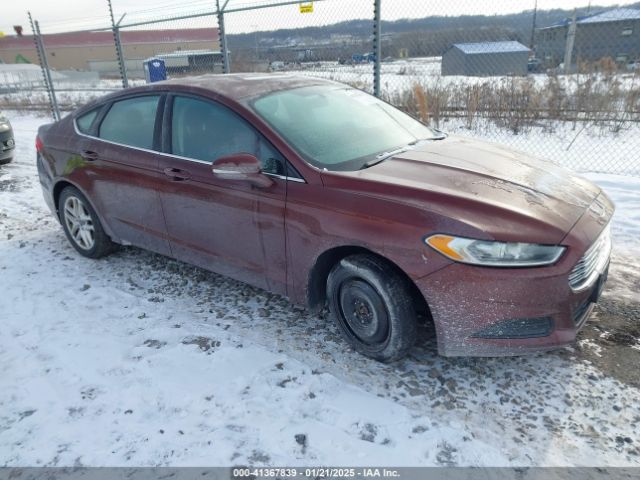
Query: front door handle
[(89, 155), (176, 174)]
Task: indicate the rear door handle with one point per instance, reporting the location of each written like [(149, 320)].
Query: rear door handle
[(90, 155), (176, 174)]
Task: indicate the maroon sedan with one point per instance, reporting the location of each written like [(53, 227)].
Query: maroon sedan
[(320, 192)]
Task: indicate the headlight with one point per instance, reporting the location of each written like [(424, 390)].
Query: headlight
[(494, 254)]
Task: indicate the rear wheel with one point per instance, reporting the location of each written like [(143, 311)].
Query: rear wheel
[(371, 304), (82, 226)]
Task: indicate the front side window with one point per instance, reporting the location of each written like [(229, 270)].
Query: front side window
[(204, 130), (338, 128), (131, 122)]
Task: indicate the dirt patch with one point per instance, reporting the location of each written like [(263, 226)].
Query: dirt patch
[(9, 182), (611, 339), (205, 344), (157, 344)]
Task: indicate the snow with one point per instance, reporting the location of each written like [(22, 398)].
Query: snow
[(491, 47), (398, 75), (139, 360), (23, 74), (625, 192), (615, 15), (586, 149)]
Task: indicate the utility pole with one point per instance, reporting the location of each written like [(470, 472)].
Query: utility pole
[(533, 27), (255, 39), (568, 51)]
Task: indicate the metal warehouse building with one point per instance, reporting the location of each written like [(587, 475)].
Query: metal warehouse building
[(613, 33), (485, 59)]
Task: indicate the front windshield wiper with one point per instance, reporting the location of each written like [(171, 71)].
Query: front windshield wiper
[(441, 135), (381, 157)]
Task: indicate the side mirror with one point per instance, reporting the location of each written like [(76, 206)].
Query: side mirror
[(241, 167)]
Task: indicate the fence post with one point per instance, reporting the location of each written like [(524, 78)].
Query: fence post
[(223, 38), (44, 66), (116, 40), (377, 47)]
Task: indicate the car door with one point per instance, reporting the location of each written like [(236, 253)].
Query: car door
[(228, 226), (121, 147)]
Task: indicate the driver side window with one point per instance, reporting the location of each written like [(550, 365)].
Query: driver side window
[(203, 130)]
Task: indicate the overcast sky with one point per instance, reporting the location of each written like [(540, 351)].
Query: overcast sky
[(65, 15)]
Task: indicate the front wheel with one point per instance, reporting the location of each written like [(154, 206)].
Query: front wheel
[(82, 226), (372, 305)]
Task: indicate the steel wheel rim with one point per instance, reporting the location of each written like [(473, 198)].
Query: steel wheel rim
[(363, 311), (79, 223)]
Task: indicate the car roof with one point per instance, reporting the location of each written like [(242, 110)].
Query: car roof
[(235, 86), (244, 85)]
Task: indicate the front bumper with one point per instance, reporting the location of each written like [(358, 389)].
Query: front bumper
[(484, 323), (7, 145), (46, 182), (481, 311)]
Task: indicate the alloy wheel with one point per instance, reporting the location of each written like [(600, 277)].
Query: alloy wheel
[(79, 223)]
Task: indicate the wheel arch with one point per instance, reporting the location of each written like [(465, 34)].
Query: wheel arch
[(319, 272), (58, 187), (63, 183)]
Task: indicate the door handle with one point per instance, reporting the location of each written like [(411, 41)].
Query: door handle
[(176, 174), (90, 155)]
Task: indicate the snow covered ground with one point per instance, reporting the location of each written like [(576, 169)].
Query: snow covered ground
[(141, 360), (403, 74)]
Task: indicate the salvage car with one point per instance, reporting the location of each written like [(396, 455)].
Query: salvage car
[(327, 195), (7, 142)]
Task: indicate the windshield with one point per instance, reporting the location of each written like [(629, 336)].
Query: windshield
[(339, 128)]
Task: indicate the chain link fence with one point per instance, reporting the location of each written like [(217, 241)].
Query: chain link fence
[(186, 46), (560, 82), (331, 39)]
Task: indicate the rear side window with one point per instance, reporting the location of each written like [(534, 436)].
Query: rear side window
[(84, 121), (131, 122)]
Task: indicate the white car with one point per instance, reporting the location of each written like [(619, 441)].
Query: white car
[(7, 143)]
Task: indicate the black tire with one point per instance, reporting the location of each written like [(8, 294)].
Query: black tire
[(101, 244), (372, 305), (6, 160)]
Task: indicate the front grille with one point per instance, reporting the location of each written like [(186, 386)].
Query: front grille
[(592, 262)]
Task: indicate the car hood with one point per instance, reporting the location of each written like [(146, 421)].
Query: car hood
[(505, 193)]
